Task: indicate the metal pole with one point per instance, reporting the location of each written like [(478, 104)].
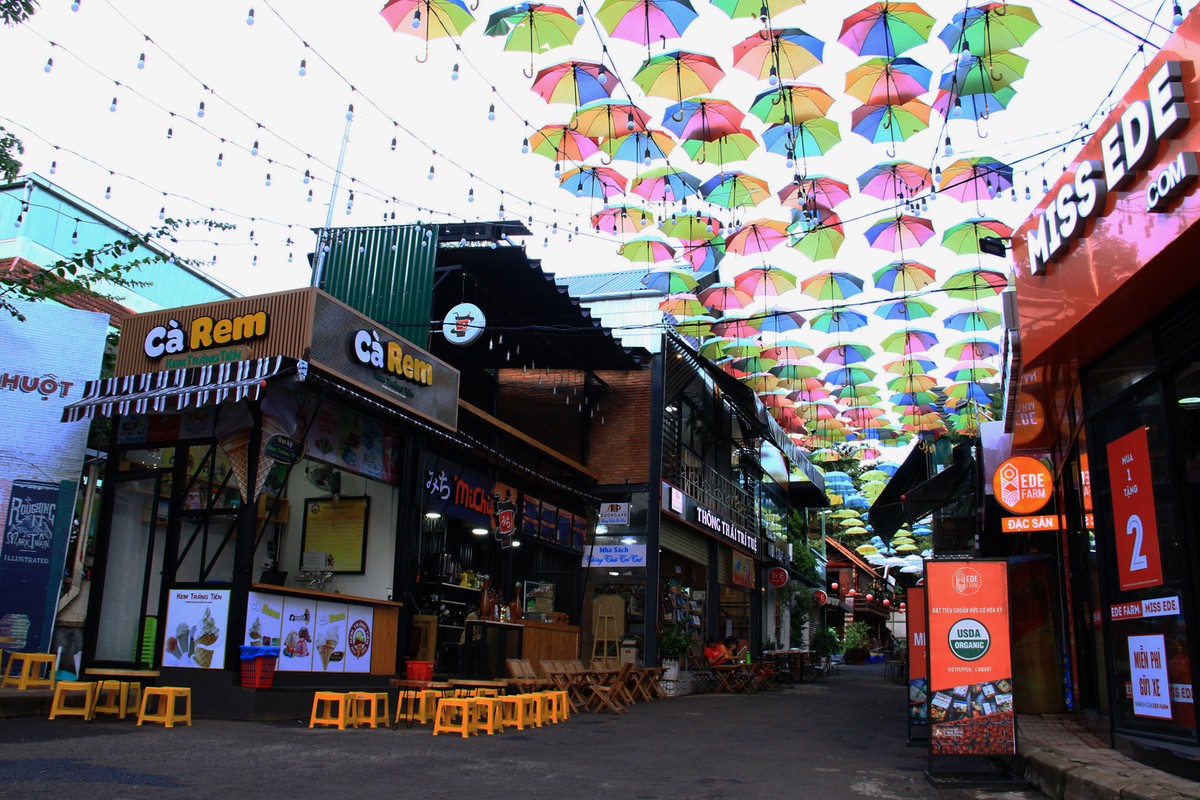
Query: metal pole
[(337, 178)]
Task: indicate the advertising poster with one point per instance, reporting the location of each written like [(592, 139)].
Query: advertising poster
[(264, 620), (296, 654), (337, 527), (359, 633), (970, 659), (41, 459), (329, 637), (194, 636), (1136, 528), (549, 522), (918, 676), (531, 520), (1148, 676), (566, 523)]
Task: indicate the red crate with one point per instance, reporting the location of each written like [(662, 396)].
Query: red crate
[(258, 673), (419, 670)]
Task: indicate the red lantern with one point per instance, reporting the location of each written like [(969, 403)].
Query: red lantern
[(834, 586), (886, 602), (870, 597), (904, 606), (851, 592)]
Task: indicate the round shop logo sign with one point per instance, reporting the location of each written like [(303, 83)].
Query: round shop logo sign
[(967, 580), (969, 639), (360, 638)]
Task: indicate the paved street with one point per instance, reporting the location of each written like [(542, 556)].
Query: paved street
[(843, 737)]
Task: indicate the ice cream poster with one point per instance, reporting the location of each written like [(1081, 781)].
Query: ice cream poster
[(329, 637), (296, 651), (360, 630), (194, 636), (264, 620)]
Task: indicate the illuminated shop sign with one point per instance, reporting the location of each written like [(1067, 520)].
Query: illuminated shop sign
[(204, 333), (1125, 149), (388, 355)]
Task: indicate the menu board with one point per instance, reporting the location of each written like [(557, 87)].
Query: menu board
[(312, 635), (531, 520), (549, 521), (337, 527), (193, 637)]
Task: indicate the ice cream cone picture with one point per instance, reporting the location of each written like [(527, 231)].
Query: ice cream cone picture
[(325, 651)]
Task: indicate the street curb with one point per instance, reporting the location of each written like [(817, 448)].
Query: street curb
[(1061, 777)]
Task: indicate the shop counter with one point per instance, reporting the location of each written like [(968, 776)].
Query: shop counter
[(548, 640)]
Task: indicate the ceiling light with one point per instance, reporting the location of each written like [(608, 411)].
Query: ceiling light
[(432, 515), (480, 531)]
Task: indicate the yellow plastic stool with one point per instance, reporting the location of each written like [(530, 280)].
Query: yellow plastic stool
[(485, 692), (370, 708), (416, 705), (331, 708), (512, 711), (538, 708), (487, 715), (560, 706), (166, 698), (64, 690), (454, 716), (35, 670), (117, 697)]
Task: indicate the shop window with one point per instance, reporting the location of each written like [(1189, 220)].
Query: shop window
[(131, 563)]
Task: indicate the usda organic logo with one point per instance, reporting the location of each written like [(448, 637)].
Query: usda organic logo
[(969, 639)]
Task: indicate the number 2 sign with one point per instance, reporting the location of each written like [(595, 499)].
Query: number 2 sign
[(1136, 528)]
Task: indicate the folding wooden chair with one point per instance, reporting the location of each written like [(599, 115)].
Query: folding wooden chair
[(608, 694)]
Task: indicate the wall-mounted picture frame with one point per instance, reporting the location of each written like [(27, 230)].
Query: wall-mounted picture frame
[(337, 526)]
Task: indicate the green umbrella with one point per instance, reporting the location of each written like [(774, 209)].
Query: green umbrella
[(820, 241), (722, 150), (533, 28), (678, 74)]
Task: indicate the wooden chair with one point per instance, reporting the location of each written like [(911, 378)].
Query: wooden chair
[(524, 677), (610, 694)]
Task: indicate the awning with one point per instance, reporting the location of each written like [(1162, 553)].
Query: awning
[(190, 387)]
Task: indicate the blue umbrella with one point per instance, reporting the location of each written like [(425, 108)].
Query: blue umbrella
[(838, 321)]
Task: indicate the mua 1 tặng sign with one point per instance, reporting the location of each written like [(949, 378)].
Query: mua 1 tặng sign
[(970, 658), (1138, 561)]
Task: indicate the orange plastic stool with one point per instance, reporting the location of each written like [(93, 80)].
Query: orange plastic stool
[(117, 697), (512, 711), (165, 698), (370, 708), (64, 690), (454, 715), (332, 709), (488, 715)]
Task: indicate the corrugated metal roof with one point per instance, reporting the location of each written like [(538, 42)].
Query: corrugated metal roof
[(587, 287)]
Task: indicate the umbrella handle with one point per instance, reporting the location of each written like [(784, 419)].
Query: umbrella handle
[(528, 73), (609, 161), (421, 60)]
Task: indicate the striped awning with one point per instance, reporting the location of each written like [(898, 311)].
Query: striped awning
[(177, 390)]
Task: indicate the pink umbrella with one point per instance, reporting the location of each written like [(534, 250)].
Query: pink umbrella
[(738, 328), (765, 281), (814, 190), (758, 236), (893, 180), (900, 232), (725, 297)]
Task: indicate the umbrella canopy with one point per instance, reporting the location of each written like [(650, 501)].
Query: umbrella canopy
[(765, 281), (704, 255), (533, 28), (814, 191), (971, 284), (778, 54), (704, 118), (691, 227), (973, 349), (757, 236), (820, 239), (910, 341), (979, 178), (971, 371), (908, 309), (838, 321), (970, 320), (650, 250), (899, 233), (831, 285), (576, 82), (608, 118), (722, 150), (664, 184), (763, 9), (622, 219), (643, 146), (953, 105), (903, 276), (990, 28), (561, 143), (646, 21), (806, 138), (681, 305), (889, 122), (964, 237), (888, 80), (678, 74), (735, 189), (910, 365), (428, 19), (893, 180), (886, 29), (972, 74), (725, 297), (603, 182), (791, 103), (848, 353)]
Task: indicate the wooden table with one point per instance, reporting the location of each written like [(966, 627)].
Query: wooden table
[(124, 676), (732, 678), (406, 685), (480, 683)]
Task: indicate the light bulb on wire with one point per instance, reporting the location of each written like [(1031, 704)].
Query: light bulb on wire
[(416, 20), (303, 67), (113, 105), (454, 73), (525, 145), (579, 15), (492, 112), (200, 110), (75, 5), (250, 21), (141, 62), (49, 65)]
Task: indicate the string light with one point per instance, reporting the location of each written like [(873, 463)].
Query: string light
[(75, 5), (53, 167), (579, 15), (1177, 15), (492, 112), (525, 145), (250, 21), (200, 110), (75, 235), (268, 181), (416, 20), (141, 62), (220, 159), (49, 65), (430, 175), (454, 73), (350, 113), (108, 192), (113, 106), (303, 67)]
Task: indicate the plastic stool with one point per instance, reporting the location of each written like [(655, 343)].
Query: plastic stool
[(331, 708), (370, 708), (165, 698), (64, 690), (487, 715), (29, 675), (512, 711), (117, 697), (560, 706), (454, 716), (416, 705), (538, 708)]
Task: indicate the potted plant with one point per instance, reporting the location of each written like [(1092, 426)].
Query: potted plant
[(826, 642), (673, 644), (858, 642)]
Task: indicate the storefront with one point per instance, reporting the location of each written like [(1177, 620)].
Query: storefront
[(272, 475), (1107, 297)]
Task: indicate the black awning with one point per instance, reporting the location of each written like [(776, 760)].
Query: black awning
[(191, 387), (886, 514), (944, 487)]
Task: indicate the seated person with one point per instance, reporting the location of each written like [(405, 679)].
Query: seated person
[(714, 652), (733, 650)]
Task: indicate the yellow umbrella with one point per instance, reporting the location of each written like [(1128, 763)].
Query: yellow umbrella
[(906, 548), (866, 549), (843, 513), (874, 475)]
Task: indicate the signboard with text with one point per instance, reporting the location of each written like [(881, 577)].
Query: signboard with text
[(918, 675), (970, 658), (1136, 527), (1150, 685)]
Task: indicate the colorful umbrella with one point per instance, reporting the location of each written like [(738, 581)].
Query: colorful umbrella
[(794, 369), (758, 236), (847, 353), (735, 189), (886, 29), (973, 349), (428, 19), (780, 322), (909, 341), (977, 178), (704, 255), (889, 123), (972, 106), (740, 325), (972, 320), (888, 80), (533, 28), (969, 390), (698, 326), (912, 383), (990, 28), (646, 21), (722, 150), (643, 146), (831, 285), (763, 9), (788, 350), (791, 103), (907, 309), (678, 74), (561, 143), (705, 118), (894, 180), (838, 321), (971, 284), (900, 232), (910, 365), (964, 237), (850, 376), (623, 219), (649, 250), (819, 239), (972, 74), (814, 191), (575, 82), (778, 54), (805, 138), (903, 276), (970, 371), (691, 227), (665, 184), (607, 119), (765, 281), (681, 305), (603, 182)]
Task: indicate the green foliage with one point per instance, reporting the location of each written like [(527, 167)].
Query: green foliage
[(858, 634), (674, 642), (826, 642), (14, 12)]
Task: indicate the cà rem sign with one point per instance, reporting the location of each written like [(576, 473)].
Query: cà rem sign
[(1125, 148)]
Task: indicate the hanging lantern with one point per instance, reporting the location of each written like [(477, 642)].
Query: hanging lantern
[(834, 586), (886, 603), (870, 597), (852, 592)]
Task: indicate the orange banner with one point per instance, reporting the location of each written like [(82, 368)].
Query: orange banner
[(1029, 524), (970, 658), (918, 641)]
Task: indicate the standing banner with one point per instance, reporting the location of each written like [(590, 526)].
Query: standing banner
[(970, 658), (42, 369), (918, 676), (1138, 562)]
